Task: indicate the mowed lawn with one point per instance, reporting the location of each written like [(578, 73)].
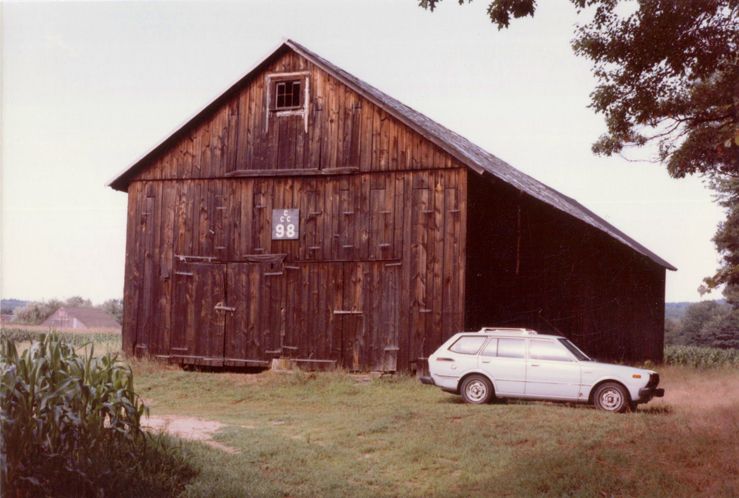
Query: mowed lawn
[(333, 434)]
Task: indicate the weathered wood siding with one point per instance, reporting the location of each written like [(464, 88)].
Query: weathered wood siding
[(376, 278), (388, 247), (344, 130)]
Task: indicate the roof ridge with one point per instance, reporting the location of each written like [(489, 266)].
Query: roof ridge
[(485, 161)]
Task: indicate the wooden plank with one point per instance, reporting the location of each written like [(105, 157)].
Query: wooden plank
[(365, 141), (362, 218), (331, 139), (130, 301), (231, 140), (436, 239), (419, 261)]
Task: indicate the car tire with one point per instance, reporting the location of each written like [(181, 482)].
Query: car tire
[(612, 397), (477, 389)]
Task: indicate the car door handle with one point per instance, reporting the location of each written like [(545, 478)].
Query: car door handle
[(534, 365), (485, 361)]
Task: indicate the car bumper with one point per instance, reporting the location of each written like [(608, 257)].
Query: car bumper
[(647, 393)]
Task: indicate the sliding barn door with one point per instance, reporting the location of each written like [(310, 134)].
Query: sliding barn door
[(199, 318)]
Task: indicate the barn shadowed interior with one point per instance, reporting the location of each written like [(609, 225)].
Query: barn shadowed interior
[(531, 266)]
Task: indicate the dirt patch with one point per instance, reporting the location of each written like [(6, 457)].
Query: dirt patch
[(191, 428)]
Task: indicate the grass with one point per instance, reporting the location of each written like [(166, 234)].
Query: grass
[(332, 435)]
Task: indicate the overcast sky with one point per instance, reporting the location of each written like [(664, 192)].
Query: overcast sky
[(88, 88)]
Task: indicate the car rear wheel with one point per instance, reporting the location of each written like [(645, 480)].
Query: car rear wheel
[(477, 389), (612, 397)]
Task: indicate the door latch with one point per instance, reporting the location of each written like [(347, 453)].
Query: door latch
[(222, 307)]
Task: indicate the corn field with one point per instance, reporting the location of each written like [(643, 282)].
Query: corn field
[(700, 357), (70, 422), (110, 340)]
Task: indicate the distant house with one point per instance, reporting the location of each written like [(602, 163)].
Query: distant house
[(68, 317)]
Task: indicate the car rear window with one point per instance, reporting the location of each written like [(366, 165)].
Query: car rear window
[(467, 344), (510, 348)]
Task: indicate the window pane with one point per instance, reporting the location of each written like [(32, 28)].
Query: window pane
[(296, 94), (287, 94), (510, 348), (468, 344), (491, 349), (548, 350)]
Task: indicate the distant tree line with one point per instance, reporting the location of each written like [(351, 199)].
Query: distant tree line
[(36, 312), (706, 323)]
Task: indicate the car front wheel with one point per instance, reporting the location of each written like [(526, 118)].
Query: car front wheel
[(612, 397), (477, 389)]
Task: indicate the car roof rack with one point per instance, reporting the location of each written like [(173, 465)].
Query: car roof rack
[(508, 330)]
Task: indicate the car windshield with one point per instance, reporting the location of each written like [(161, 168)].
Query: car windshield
[(575, 350)]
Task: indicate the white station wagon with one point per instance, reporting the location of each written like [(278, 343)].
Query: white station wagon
[(519, 363)]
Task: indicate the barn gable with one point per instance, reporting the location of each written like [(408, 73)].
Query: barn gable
[(233, 136), (338, 132)]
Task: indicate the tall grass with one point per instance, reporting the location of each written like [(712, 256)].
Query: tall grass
[(700, 357), (71, 425)]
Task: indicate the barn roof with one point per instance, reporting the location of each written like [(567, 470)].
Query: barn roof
[(474, 157), (91, 317)]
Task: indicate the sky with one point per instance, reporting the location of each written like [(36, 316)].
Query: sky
[(88, 88)]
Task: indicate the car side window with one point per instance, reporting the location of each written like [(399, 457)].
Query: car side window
[(510, 348), (491, 349), (548, 350), (467, 344)]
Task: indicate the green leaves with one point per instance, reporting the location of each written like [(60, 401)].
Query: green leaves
[(700, 357), (58, 409)]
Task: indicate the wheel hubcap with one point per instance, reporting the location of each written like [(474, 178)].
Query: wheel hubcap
[(611, 399), (476, 390)]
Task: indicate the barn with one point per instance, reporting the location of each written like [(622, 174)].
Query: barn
[(305, 214)]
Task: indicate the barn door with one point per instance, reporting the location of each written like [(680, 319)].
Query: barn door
[(347, 320), (255, 323), (198, 321), (389, 315)]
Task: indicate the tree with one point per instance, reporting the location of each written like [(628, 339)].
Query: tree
[(667, 74), (706, 323), (36, 312), (114, 307), (727, 241), (78, 302)]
